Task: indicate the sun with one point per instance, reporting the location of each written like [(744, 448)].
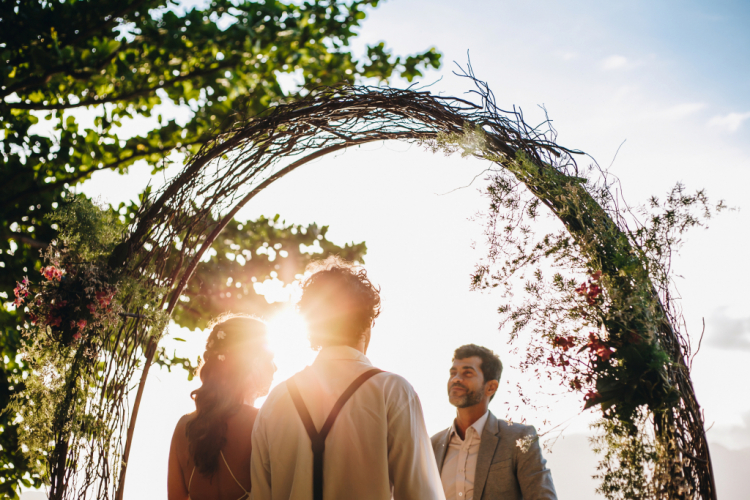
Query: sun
[(288, 340)]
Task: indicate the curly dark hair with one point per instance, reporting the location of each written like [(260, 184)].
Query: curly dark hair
[(228, 368), (338, 302)]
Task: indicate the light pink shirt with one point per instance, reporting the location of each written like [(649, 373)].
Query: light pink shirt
[(460, 463)]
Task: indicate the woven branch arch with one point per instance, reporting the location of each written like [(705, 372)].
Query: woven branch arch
[(178, 224)]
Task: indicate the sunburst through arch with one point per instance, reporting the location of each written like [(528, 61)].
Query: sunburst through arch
[(641, 378)]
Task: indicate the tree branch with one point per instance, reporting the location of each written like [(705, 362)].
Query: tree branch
[(75, 178), (126, 97), (20, 238)]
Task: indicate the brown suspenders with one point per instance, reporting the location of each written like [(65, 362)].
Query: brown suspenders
[(318, 439)]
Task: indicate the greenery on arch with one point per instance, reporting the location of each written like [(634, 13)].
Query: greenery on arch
[(611, 334), (74, 71)]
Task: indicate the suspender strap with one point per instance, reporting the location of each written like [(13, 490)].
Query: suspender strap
[(318, 439)]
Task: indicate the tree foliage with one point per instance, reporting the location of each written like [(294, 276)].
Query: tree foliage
[(67, 63), (241, 259)]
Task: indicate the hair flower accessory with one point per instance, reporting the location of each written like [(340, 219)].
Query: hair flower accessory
[(221, 335), (221, 357)]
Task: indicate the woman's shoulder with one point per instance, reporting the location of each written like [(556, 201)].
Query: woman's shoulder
[(180, 430), (183, 421), (179, 438)]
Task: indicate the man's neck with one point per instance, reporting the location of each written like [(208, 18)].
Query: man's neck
[(465, 417)]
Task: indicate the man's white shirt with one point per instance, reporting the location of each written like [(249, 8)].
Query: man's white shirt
[(460, 464), (377, 449)]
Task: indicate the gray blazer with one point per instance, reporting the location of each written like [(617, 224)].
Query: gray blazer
[(510, 463)]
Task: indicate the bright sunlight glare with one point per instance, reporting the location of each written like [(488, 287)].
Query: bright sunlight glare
[(287, 334)]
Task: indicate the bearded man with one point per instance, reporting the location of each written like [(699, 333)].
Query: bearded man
[(481, 457)]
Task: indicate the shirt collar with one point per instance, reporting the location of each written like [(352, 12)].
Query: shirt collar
[(341, 352), (478, 425)]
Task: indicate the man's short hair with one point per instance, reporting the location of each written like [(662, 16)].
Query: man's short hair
[(491, 366), (338, 302)]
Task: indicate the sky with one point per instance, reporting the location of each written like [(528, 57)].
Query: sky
[(666, 83)]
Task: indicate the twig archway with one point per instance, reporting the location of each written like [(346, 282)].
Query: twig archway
[(177, 225)]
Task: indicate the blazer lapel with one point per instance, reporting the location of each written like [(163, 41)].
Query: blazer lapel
[(487, 447), (441, 448)]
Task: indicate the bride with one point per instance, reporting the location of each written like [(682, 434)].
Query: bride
[(210, 453)]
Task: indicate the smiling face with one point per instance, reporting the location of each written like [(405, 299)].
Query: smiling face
[(466, 385)]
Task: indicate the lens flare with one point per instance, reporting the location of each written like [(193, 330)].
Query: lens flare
[(287, 334)]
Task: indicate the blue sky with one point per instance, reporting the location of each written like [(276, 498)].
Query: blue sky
[(669, 78)]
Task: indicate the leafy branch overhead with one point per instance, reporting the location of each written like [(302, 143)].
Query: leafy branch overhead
[(248, 254), (74, 75), (135, 55)]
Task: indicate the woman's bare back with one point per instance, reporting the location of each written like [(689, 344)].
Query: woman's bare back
[(222, 486)]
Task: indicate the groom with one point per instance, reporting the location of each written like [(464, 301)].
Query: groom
[(479, 456), (341, 428)]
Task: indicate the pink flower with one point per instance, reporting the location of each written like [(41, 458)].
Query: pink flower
[(51, 273), (92, 308), (81, 324), (21, 291), (104, 298)]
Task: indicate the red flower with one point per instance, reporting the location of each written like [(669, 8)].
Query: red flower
[(564, 343), (104, 298), (51, 273), (52, 321), (590, 291), (77, 335), (592, 395), (599, 348), (81, 324), (91, 307)]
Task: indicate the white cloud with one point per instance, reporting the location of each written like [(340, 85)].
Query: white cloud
[(729, 332), (730, 122), (683, 110), (615, 62)]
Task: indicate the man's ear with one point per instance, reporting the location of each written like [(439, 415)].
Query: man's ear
[(491, 387)]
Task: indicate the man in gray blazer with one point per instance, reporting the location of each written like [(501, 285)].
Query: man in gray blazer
[(480, 457)]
